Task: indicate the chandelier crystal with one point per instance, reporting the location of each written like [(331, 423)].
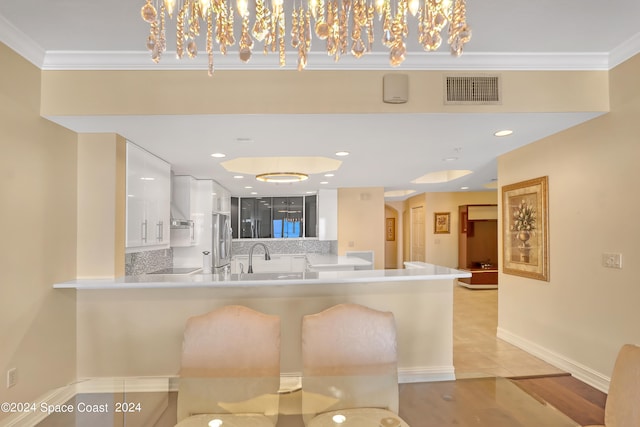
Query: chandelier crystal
[(346, 26)]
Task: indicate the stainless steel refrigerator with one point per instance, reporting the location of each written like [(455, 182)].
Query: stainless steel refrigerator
[(221, 253)]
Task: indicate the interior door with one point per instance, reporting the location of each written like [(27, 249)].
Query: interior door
[(417, 234)]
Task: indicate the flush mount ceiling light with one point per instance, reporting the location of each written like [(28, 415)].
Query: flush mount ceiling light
[(260, 165), (282, 177), (351, 26)]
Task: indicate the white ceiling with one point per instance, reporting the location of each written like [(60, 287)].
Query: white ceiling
[(387, 150)]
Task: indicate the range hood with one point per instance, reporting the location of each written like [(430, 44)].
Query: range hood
[(181, 201)]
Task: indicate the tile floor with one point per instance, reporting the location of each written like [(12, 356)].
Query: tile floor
[(476, 349)]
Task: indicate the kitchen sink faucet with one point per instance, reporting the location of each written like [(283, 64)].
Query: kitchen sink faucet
[(267, 257)]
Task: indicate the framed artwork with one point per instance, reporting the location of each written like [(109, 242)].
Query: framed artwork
[(442, 222), (525, 229), (391, 229)]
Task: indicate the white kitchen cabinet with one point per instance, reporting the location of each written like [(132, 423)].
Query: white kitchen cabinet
[(184, 198), (298, 263), (277, 264), (328, 214), (148, 200), (221, 199)]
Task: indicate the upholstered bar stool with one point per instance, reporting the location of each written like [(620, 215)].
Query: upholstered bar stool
[(622, 408), (230, 369), (350, 376)]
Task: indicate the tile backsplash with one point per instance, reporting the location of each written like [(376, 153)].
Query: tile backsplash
[(148, 261), (284, 246)]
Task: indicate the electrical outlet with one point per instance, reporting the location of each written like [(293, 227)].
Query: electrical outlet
[(611, 260), (12, 377)]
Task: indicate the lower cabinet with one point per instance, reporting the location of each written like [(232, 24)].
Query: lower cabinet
[(277, 264)]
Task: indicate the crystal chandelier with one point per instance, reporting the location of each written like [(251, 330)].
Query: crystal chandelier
[(347, 26)]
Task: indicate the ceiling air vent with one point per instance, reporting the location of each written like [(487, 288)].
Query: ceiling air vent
[(472, 90)]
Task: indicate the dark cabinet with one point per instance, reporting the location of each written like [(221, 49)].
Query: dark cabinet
[(478, 244)]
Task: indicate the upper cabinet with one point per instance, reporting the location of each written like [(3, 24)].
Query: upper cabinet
[(148, 200), (328, 214), (221, 199)]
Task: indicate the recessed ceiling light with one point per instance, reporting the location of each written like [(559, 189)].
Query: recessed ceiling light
[(449, 159), (218, 155), (244, 139), (253, 192), (342, 153), (324, 182), (238, 176), (505, 132), (329, 175), (248, 187), (464, 188), (311, 192)]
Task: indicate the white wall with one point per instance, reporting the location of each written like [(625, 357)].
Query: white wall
[(580, 318)]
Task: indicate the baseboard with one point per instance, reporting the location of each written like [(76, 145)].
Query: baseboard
[(426, 374), (39, 408), (124, 384), (578, 370), (291, 381), (477, 286)]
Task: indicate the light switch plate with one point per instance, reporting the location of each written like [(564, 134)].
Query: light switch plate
[(12, 377), (612, 260)]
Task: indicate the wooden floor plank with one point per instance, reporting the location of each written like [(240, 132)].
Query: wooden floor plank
[(581, 402)]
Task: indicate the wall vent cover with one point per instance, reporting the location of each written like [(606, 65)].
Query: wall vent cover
[(472, 90)]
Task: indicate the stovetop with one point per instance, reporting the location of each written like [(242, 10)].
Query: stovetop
[(176, 270)]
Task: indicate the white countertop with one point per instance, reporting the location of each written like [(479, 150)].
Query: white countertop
[(168, 281), (322, 260)]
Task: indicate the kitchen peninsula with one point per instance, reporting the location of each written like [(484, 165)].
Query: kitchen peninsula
[(132, 326)]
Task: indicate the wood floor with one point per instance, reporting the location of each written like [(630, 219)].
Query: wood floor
[(581, 402)]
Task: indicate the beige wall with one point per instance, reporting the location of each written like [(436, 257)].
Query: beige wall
[(442, 249), (361, 221), (101, 205), (288, 91), (38, 229), (582, 316)]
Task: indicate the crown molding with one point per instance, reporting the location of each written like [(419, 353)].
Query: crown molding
[(112, 60), (625, 51), (21, 43), (472, 61)]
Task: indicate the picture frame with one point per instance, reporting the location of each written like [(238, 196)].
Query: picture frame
[(390, 226), (441, 222), (525, 235)]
